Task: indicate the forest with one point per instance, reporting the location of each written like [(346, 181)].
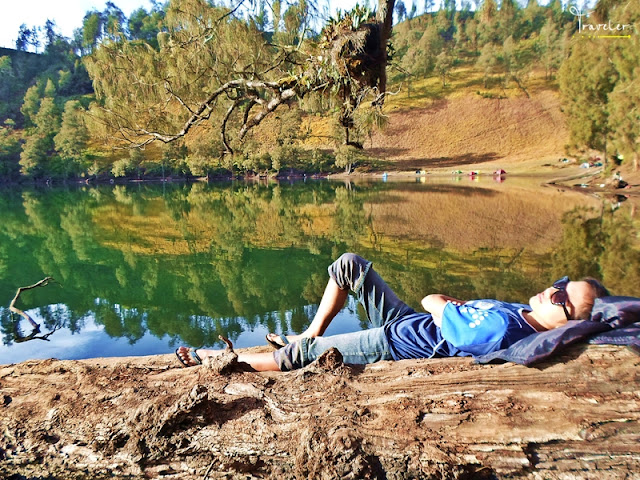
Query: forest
[(196, 88)]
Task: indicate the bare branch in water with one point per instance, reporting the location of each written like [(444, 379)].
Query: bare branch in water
[(42, 283)]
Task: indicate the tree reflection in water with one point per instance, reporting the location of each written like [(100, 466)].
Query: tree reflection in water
[(187, 263)]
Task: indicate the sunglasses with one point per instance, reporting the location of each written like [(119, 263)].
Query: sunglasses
[(560, 296)]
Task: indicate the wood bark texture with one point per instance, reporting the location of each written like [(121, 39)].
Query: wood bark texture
[(576, 417)]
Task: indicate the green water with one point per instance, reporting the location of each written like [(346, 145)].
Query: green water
[(140, 269)]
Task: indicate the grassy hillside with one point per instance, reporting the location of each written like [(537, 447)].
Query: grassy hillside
[(471, 130), (466, 125)]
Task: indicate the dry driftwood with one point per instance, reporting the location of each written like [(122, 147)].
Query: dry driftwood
[(575, 417)]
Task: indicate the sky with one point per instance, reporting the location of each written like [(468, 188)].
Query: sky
[(68, 14)]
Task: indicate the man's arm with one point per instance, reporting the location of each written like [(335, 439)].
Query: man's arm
[(435, 303)]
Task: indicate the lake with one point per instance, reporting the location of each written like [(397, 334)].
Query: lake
[(142, 268)]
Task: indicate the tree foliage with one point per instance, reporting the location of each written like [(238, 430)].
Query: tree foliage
[(348, 157), (143, 25), (443, 65), (8, 87), (35, 158), (31, 104), (599, 84), (223, 70), (9, 153), (211, 64), (71, 140), (587, 78), (624, 100)]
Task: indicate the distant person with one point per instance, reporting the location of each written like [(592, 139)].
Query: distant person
[(451, 327)]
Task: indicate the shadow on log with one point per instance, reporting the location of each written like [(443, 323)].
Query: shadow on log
[(575, 417)]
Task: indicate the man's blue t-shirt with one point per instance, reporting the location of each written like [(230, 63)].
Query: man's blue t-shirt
[(476, 328)]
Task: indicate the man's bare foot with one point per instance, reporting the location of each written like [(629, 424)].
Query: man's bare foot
[(278, 341), (188, 357)]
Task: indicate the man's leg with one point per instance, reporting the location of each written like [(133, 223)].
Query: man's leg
[(381, 304), (352, 272), (262, 362), (332, 302), (357, 348), (345, 274)]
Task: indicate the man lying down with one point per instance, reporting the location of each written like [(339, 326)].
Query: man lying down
[(449, 327)]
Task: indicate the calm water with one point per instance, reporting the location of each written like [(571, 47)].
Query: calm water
[(141, 269)]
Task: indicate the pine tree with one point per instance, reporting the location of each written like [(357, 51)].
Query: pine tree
[(532, 19), (8, 85), (113, 21), (550, 48), (517, 60), (64, 79), (39, 146), (624, 100), (488, 27), (48, 118), (587, 77), (487, 62), (425, 52), (471, 30), (92, 27), (34, 155), (50, 89), (9, 153), (443, 65), (143, 25), (428, 5), (213, 65), (71, 140), (554, 9), (444, 23), (31, 105), (401, 11), (24, 38), (507, 18)]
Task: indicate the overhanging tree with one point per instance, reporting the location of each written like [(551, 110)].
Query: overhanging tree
[(213, 65)]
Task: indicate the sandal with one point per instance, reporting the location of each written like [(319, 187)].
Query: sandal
[(188, 357), (273, 338)]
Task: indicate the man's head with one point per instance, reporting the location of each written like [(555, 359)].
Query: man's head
[(566, 300), (599, 290)]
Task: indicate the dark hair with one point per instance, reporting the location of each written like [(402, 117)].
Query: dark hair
[(599, 290)]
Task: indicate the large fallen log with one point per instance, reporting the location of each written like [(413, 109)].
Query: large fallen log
[(575, 417)]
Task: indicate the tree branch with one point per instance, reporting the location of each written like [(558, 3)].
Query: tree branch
[(12, 306), (223, 128), (284, 97), (344, 63)]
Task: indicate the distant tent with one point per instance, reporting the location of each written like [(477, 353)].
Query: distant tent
[(499, 172)]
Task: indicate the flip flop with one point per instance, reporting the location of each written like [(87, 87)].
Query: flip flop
[(189, 358), (271, 338)]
